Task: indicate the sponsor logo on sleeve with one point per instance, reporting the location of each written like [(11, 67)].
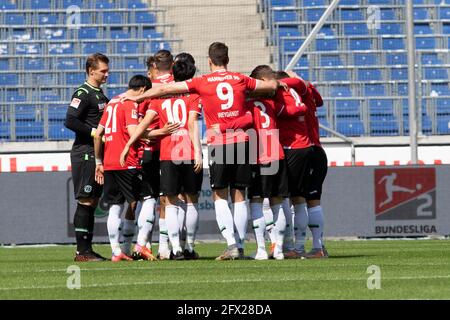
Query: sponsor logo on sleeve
[(75, 103)]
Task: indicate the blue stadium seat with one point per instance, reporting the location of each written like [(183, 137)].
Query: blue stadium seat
[(426, 43), (420, 14), (104, 4), (14, 19), (349, 2), (288, 31), (313, 15), (75, 78), (132, 63), (5, 131), (443, 125), (40, 4), (422, 29), (384, 107), (112, 18), (351, 15), (29, 131), (9, 79), (444, 13), (114, 78), (366, 59), (68, 3), (396, 59), (399, 74), (43, 79), (87, 33), (4, 64), (52, 97), (21, 34), (360, 44), (350, 128), (356, 29), (127, 47), (291, 45), (430, 59), (25, 113), (443, 106), (402, 89), (67, 64), (380, 2), (326, 30), (119, 33), (112, 92), (435, 73), (336, 75), (57, 112), (427, 125), (45, 18), (348, 109), (6, 5), (371, 90), (387, 14), (61, 48), (446, 28), (304, 73), (313, 3), (285, 16), (33, 64), (150, 33), (384, 127), (54, 34), (155, 46), (136, 4), (57, 131), (93, 47), (327, 44), (442, 89), (14, 96), (341, 91), (369, 74), (145, 17), (330, 60), (390, 28), (393, 44), (282, 3)]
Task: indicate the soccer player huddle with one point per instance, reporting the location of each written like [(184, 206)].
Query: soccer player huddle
[(263, 145)]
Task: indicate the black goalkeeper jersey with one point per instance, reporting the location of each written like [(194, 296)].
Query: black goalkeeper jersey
[(84, 114)]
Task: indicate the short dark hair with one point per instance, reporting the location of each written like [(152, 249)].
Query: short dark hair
[(149, 62), (281, 75), (183, 67), (218, 53), (92, 61), (163, 60), (262, 71), (139, 81)]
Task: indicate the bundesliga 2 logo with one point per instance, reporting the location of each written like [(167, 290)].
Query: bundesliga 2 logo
[(405, 194)]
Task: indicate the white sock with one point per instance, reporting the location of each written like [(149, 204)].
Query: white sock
[(191, 225), (225, 220), (113, 226), (128, 229), (268, 217), (259, 224), (316, 224), (240, 221), (279, 226), (300, 225), (172, 227), (289, 233), (182, 208), (146, 221), (163, 236)]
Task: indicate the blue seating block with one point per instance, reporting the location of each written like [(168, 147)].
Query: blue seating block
[(75, 78), (33, 64), (381, 107), (336, 75), (443, 125), (425, 43), (330, 60), (350, 128), (68, 3), (128, 47), (341, 91), (14, 19), (422, 29), (67, 64), (313, 15), (288, 31), (132, 63), (119, 34), (430, 59), (57, 112), (282, 3), (4, 64), (348, 109), (442, 89), (356, 29), (360, 44), (112, 18), (420, 14), (285, 16), (369, 74), (87, 33), (371, 90), (387, 14), (40, 4), (104, 4), (366, 59), (435, 74), (291, 45), (327, 44), (399, 74), (61, 48), (5, 131), (351, 15), (45, 18), (29, 131), (136, 4), (443, 106), (444, 13), (384, 127), (9, 79), (93, 47), (314, 3), (396, 59), (25, 113), (57, 131), (145, 17), (390, 28), (393, 44)]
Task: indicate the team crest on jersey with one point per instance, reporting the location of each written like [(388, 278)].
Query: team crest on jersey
[(134, 114), (101, 106), (75, 103)]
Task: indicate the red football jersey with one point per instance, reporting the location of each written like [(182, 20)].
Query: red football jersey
[(313, 100), (178, 145), (265, 123), (223, 99), (154, 145), (293, 129), (117, 117)]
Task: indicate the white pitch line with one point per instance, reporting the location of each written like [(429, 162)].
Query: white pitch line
[(177, 282)]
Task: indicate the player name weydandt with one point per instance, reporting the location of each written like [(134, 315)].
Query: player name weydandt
[(228, 114)]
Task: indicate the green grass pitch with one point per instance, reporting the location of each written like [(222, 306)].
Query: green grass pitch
[(409, 269)]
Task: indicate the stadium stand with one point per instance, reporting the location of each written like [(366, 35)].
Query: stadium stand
[(361, 69), (43, 49)]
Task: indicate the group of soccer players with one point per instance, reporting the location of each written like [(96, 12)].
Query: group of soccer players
[(263, 143)]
